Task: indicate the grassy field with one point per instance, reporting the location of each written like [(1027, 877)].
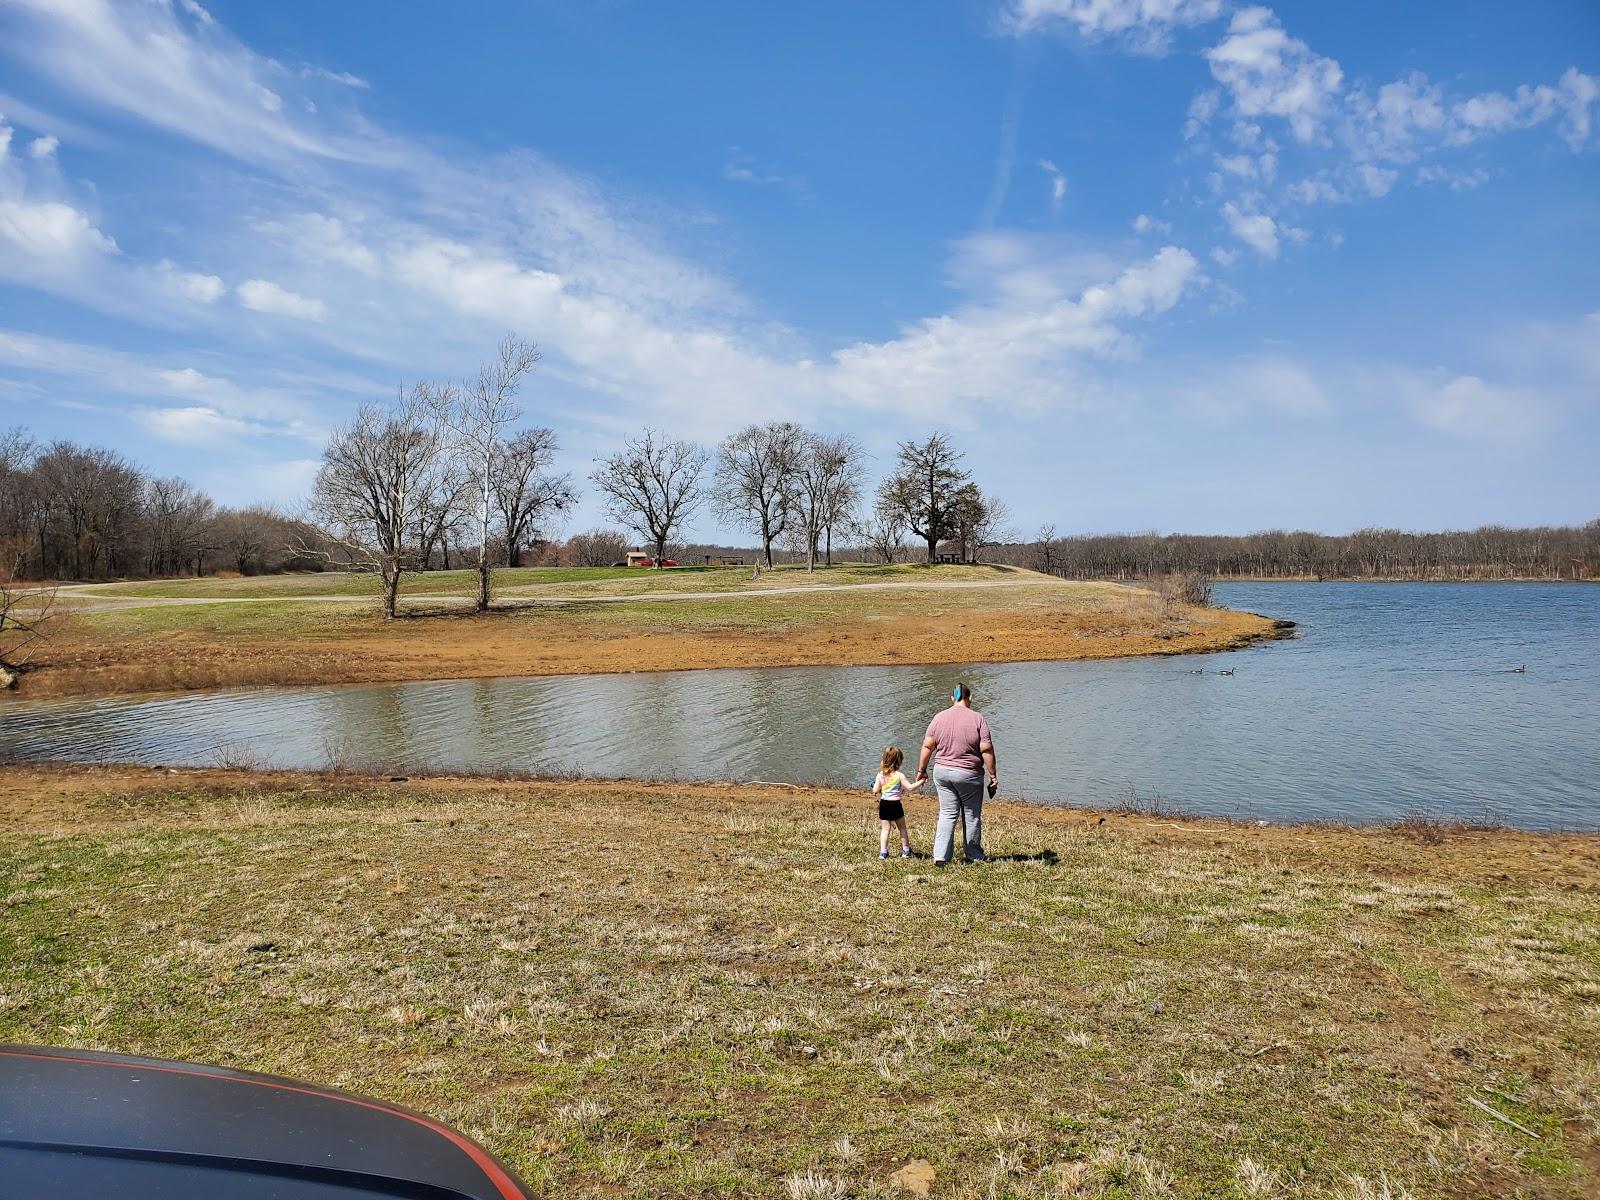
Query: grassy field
[(552, 623), (345, 583), (637, 990), (512, 582)]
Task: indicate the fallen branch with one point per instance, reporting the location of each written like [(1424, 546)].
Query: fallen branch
[(793, 787), (1500, 1116)]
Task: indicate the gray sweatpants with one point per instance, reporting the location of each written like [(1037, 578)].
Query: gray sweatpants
[(960, 795)]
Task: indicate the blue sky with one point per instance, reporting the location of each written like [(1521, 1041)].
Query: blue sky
[(1158, 264)]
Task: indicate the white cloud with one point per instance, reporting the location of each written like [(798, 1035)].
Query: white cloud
[(1144, 223), (272, 402), (1346, 144), (1058, 183), (191, 285), (49, 231), (1455, 180), (1467, 406), (1145, 25), (1007, 356), (43, 147), (196, 425), (176, 68), (1202, 109), (1224, 256), (1256, 230), (741, 168), (42, 238), (1269, 73), (1571, 98), (343, 78), (262, 295)]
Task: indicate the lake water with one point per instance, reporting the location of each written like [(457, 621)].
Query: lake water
[(1393, 699)]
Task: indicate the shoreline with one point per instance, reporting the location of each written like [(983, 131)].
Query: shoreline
[(1424, 827)]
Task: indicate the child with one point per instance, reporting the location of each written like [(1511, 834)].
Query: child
[(889, 787)]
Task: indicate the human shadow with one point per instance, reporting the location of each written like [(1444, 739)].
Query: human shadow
[(1046, 856)]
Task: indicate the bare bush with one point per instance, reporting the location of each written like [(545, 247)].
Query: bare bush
[(27, 617), (1185, 587), (597, 548)]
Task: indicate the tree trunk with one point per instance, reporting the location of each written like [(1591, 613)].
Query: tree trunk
[(391, 591), (933, 543), (483, 541), (829, 560)]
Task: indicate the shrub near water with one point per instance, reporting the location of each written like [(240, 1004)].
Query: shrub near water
[(665, 991)]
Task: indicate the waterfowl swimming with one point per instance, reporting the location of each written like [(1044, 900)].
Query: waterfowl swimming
[(1522, 670), (1229, 671)]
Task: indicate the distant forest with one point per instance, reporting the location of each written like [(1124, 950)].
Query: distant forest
[(1489, 552)]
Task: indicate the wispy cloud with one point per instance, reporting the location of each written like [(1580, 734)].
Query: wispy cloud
[(743, 168), (1144, 26), (264, 296), (1058, 184)]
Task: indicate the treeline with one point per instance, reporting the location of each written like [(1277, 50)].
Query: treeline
[(1489, 552), (448, 460), (83, 512)]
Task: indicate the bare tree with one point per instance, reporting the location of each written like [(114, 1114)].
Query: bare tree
[(844, 493), (756, 479), (478, 417), (825, 480), (883, 532), (444, 513), (178, 515), (977, 521), (597, 547), (922, 491), (653, 486), (525, 490), (1044, 550), (377, 473)]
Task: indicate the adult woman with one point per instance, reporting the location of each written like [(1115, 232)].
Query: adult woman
[(958, 741)]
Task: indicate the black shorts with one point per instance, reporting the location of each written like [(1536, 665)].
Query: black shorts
[(891, 810)]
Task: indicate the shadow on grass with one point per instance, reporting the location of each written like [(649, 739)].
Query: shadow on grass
[(1047, 856)]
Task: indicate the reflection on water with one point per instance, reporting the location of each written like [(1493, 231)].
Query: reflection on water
[(1396, 698)]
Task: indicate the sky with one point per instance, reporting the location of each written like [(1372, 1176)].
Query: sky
[(1180, 265)]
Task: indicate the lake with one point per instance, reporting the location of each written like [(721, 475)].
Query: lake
[(1393, 699)]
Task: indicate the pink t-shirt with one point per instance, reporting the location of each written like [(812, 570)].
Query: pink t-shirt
[(957, 732)]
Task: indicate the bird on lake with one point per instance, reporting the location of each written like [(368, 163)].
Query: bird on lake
[(1229, 671), (1522, 670)]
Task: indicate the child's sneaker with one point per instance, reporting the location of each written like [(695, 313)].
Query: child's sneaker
[(908, 854), (883, 856)]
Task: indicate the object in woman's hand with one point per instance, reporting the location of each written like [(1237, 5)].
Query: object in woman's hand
[(994, 786)]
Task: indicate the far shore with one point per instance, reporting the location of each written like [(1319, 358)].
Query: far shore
[(187, 635)]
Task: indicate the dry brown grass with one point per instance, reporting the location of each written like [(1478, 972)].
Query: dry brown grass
[(689, 991)]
